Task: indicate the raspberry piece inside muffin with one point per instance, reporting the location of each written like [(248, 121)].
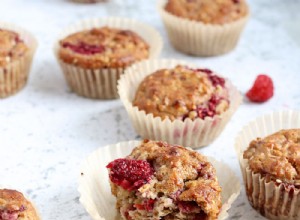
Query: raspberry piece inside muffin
[(130, 174), (84, 48), (180, 184), (262, 89)]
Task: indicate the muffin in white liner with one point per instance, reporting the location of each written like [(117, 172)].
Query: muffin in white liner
[(101, 83), (200, 39), (95, 192), (19, 197), (191, 133), (14, 75), (273, 199)]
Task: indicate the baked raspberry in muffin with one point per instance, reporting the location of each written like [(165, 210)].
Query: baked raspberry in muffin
[(208, 11), (103, 48), (14, 206), (272, 174), (181, 93), (12, 47), (162, 181)]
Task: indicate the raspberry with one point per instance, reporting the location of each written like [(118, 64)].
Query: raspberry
[(262, 89), (130, 174), (147, 205), (85, 49), (187, 207)]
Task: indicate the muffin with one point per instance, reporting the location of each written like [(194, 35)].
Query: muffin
[(16, 53), (161, 181), (94, 53), (175, 102), (204, 27), (276, 159), (14, 206), (95, 189)]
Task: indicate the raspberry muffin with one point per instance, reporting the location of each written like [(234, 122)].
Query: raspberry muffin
[(162, 181), (175, 102), (213, 26), (17, 48), (182, 92), (14, 206), (275, 159), (93, 58)]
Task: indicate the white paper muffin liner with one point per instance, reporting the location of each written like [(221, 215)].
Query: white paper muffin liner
[(95, 192), (271, 199), (194, 134), (14, 76), (26, 197), (200, 39), (102, 83)]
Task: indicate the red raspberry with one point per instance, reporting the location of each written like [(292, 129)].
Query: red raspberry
[(262, 89), (84, 48), (187, 206), (130, 174), (147, 205)]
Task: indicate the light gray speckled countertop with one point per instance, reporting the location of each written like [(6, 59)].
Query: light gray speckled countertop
[(46, 131)]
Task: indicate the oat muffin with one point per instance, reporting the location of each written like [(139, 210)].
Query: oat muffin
[(208, 11), (162, 181), (181, 93), (12, 47), (14, 206), (103, 48), (274, 161)]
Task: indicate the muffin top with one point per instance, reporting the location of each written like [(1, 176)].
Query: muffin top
[(12, 47), (181, 93), (157, 169), (208, 11), (13, 206), (103, 48), (276, 156)]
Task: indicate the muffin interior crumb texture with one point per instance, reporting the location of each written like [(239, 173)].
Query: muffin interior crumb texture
[(13, 206), (181, 93), (103, 48), (161, 181), (277, 156), (208, 11), (12, 47)]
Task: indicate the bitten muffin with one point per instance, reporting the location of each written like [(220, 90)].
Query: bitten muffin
[(103, 48), (14, 206), (12, 47), (208, 11), (181, 93), (162, 181), (276, 159)]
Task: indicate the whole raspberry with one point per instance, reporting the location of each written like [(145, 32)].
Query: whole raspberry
[(130, 174), (262, 89)]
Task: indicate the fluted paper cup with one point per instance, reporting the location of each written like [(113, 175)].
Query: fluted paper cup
[(95, 192), (14, 75), (101, 83), (272, 199), (191, 133), (200, 39), (26, 197)]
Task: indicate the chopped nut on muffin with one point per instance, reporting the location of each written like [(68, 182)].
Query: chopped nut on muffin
[(14, 206), (162, 181), (103, 48), (181, 93)]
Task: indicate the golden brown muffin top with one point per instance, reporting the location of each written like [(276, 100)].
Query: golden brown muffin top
[(182, 173), (276, 156), (103, 48), (14, 206), (12, 47), (181, 93), (208, 11)]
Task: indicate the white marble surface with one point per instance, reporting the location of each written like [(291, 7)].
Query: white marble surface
[(46, 131)]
